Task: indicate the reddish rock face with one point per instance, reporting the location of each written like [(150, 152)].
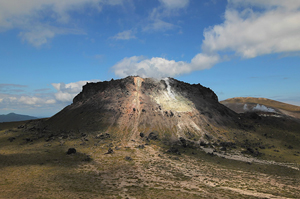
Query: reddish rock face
[(133, 105)]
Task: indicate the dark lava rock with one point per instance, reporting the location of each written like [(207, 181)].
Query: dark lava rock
[(83, 143), (102, 136), (210, 154), (228, 144), (28, 140), (183, 141), (252, 115), (208, 137), (173, 150), (252, 152), (153, 136), (11, 139), (142, 135), (110, 151), (50, 137), (262, 147), (128, 158), (110, 145), (71, 151), (202, 143), (87, 158), (223, 148), (187, 143), (141, 146)]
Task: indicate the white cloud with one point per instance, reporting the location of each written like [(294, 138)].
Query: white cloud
[(125, 35), (251, 33), (174, 4), (66, 92), (29, 100), (159, 67), (50, 101), (11, 100), (269, 4), (251, 28), (29, 15), (158, 25), (44, 105), (39, 102), (167, 8), (37, 37)]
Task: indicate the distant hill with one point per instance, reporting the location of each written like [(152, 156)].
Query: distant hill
[(245, 104), (13, 117)]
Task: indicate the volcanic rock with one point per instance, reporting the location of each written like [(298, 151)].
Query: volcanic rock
[(110, 151), (162, 109), (102, 136), (153, 136), (71, 151), (11, 139)]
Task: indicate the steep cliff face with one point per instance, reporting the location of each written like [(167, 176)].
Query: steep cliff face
[(133, 105)]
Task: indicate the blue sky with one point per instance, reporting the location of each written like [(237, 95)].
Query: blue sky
[(49, 49)]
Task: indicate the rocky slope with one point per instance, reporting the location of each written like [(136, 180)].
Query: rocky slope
[(128, 107)]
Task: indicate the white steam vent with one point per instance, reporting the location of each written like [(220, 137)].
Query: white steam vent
[(263, 108), (170, 93), (245, 107)]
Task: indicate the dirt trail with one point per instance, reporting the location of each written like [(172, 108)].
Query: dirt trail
[(138, 83), (251, 159)]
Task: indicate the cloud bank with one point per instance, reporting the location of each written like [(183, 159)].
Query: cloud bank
[(49, 101), (251, 28), (159, 67), (40, 21), (251, 33), (174, 4), (66, 92), (125, 35)]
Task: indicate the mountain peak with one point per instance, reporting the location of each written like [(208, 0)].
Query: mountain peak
[(128, 106)]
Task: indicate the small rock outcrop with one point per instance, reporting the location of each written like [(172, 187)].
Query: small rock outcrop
[(71, 151), (109, 151)]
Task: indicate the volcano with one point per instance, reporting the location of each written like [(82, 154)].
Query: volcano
[(134, 106), (147, 138)]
